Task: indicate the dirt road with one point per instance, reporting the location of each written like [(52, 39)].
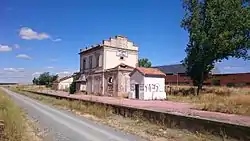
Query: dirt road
[(60, 125)]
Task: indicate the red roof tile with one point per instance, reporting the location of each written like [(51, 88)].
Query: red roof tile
[(150, 71)]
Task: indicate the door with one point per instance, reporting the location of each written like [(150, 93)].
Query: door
[(137, 91)]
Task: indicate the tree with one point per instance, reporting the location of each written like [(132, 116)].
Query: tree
[(45, 79), (218, 30), (72, 87), (35, 81), (144, 62)]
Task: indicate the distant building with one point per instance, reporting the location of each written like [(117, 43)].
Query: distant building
[(147, 84), (176, 75), (105, 68), (230, 79)]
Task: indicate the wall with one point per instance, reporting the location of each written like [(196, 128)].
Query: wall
[(119, 46), (240, 79), (111, 59), (154, 88), (94, 84), (124, 83), (111, 89), (181, 78), (120, 42), (94, 61), (65, 84), (136, 78), (81, 86), (237, 79)]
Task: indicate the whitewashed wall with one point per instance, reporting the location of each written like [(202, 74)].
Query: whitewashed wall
[(83, 87), (111, 59), (150, 88), (63, 85), (154, 88)]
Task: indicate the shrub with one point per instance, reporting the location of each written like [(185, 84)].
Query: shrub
[(13, 119), (230, 84), (72, 88), (216, 82)]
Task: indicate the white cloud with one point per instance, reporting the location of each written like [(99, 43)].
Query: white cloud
[(29, 34), (13, 69), (5, 48), (15, 75), (63, 72), (36, 73), (231, 67), (23, 56), (10, 69), (56, 40)]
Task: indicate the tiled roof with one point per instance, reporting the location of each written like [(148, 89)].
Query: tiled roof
[(180, 68), (176, 68), (81, 78), (150, 71), (64, 78)]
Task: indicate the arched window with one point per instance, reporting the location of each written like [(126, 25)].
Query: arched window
[(110, 80)]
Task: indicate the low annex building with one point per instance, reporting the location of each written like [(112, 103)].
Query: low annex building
[(63, 83), (147, 84)]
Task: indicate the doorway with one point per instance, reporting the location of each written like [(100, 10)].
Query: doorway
[(137, 91)]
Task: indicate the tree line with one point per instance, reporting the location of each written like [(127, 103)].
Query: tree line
[(45, 78)]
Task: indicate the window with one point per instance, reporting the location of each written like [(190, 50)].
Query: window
[(97, 60), (84, 64), (110, 80), (90, 61)]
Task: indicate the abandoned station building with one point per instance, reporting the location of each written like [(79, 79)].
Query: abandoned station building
[(105, 68)]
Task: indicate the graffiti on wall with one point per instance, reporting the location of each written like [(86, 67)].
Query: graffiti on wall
[(146, 87), (151, 87), (141, 87)]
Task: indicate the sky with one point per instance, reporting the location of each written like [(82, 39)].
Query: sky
[(38, 36)]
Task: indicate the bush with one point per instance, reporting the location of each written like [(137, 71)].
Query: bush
[(216, 82), (72, 88), (230, 84)]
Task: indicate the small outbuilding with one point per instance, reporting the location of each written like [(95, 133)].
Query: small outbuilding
[(63, 83), (147, 84)]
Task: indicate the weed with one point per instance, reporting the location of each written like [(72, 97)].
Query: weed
[(12, 119)]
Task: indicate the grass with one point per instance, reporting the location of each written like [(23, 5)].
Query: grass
[(16, 126), (135, 125), (217, 99), (12, 117)]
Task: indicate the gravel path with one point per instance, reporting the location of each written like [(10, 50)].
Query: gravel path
[(60, 125)]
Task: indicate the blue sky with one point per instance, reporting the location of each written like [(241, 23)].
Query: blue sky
[(38, 36)]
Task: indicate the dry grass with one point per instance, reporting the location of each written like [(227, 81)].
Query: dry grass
[(135, 125), (217, 99), (15, 121), (10, 114)]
